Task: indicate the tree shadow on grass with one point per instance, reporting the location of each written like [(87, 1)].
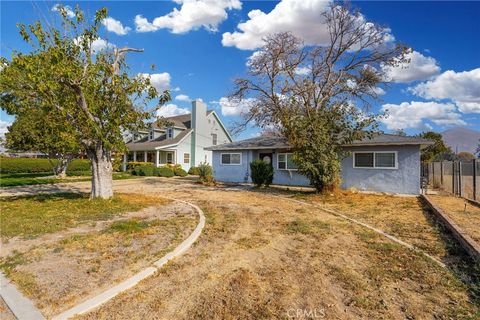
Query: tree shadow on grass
[(43, 197), (457, 260)]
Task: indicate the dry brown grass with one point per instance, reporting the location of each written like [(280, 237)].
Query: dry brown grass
[(5, 313), (262, 257), (463, 213), (59, 274)]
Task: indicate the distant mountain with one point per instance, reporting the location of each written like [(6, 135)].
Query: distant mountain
[(461, 139)]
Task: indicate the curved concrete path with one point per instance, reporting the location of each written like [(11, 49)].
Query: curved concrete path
[(105, 296)]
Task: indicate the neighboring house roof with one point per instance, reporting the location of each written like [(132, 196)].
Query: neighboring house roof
[(263, 142), (158, 143), (183, 121)]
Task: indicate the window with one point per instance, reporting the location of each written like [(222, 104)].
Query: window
[(285, 162), (375, 160), (151, 135), (169, 133), (186, 158), (214, 139), (231, 158), (170, 157)]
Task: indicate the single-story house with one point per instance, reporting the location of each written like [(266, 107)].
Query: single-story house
[(383, 163), (182, 142)]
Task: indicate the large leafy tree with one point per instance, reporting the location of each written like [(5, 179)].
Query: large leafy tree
[(437, 151), (46, 132), (90, 90), (319, 96)]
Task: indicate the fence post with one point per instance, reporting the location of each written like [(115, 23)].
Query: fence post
[(474, 163), (441, 174), (453, 178), (460, 178)]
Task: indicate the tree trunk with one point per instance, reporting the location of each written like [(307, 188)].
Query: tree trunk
[(101, 159), (62, 165)]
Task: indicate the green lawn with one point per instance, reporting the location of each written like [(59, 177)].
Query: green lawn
[(24, 179), (32, 216)]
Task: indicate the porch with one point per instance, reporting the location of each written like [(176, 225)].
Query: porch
[(157, 157)]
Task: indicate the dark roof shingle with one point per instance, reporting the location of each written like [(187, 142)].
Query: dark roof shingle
[(263, 142)]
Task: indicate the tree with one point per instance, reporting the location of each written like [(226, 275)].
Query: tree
[(465, 156), (436, 151), (88, 88), (321, 110), (43, 132)]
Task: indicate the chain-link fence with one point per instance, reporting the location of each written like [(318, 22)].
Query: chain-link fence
[(457, 177)]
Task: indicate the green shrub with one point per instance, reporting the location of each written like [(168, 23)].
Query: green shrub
[(117, 164), (205, 172), (194, 171), (180, 172), (133, 164), (147, 171), (166, 172), (262, 173), (35, 165)]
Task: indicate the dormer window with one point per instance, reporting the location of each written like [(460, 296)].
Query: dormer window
[(151, 135), (169, 133)]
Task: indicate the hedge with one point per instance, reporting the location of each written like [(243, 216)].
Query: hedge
[(37, 165), (164, 172), (132, 164), (180, 172), (194, 171)]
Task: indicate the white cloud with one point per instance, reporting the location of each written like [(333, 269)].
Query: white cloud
[(4, 127), (303, 18), (115, 26), (413, 115), (171, 110), (418, 68), (193, 14), (463, 88), (182, 97), (302, 71), (68, 9), (101, 44), (234, 107), (97, 45), (161, 81)]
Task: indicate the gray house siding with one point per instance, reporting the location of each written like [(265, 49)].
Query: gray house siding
[(405, 179)]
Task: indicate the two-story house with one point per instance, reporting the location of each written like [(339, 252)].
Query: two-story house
[(182, 142)]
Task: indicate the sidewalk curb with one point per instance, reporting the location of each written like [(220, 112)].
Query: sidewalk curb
[(22, 307)]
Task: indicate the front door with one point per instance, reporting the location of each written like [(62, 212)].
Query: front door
[(267, 158)]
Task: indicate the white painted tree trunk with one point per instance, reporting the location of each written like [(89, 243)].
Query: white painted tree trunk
[(62, 165), (101, 159)]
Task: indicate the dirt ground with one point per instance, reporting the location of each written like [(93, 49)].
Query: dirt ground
[(262, 257), (58, 270), (465, 214)]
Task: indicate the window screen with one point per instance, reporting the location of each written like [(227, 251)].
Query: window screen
[(385, 159), (364, 160)]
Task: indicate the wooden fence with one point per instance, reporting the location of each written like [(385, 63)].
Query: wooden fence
[(460, 178)]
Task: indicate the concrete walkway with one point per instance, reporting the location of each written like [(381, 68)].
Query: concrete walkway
[(22, 307)]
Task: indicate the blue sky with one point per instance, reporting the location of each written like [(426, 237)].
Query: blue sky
[(199, 47)]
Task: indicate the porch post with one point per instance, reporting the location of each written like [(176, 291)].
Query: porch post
[(124, 166), (157, 158), (145, 156), (134, 156)]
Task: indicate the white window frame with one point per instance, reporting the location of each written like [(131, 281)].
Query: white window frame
[(170, 133), (230, 164), (184, 154), (286, 161), (374, 164)]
